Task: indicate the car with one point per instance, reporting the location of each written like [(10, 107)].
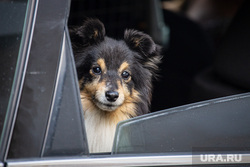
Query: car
[(41, 118)]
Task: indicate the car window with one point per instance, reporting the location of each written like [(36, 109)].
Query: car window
[(219, 125), (12, 19), (48, 120), (13, 16), (66, 132)]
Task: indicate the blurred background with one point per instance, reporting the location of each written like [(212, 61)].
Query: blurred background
[(206, 43)]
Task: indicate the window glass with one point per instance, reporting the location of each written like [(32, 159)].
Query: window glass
[(219, 125), (66, 133), (49, 120), (12, 17)]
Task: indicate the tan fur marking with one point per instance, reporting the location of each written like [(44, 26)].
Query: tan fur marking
[(91, 72), (95, 33), (124, 66), (137, 41), (80, 83), (102, 64), (128, 107), (90, 89)]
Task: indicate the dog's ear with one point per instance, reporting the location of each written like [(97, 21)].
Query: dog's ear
[(149, 52), (91, 32)]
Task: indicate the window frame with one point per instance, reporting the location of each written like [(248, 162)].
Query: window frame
[(125, 160)]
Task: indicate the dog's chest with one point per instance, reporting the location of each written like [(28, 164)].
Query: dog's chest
[(100, 131)]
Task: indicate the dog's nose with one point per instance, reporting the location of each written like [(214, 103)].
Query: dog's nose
[(111, 96)]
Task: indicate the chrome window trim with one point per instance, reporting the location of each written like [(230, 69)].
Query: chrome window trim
[(166, 160)]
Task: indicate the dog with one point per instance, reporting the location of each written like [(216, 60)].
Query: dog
[(115, 78)]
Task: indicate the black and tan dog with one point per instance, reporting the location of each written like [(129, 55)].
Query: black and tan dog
[(115, 78)]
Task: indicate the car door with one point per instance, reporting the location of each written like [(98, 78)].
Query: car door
[(43, 101), (43, 122)]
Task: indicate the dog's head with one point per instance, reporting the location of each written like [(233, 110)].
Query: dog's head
[(114, 74)]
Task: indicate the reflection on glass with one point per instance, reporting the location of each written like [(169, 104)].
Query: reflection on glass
[(12, 17)]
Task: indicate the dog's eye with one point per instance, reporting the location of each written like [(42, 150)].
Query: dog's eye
[(125, 75), (97, 70)]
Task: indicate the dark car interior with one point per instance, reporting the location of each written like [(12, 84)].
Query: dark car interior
[(205, 53)]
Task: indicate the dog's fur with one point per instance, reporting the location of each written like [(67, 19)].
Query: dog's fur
[(115, 78)]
